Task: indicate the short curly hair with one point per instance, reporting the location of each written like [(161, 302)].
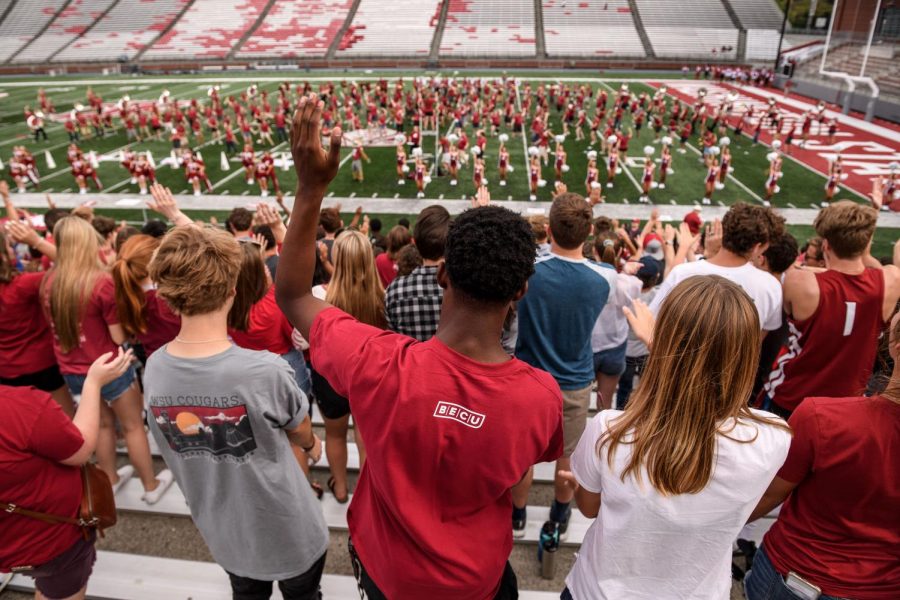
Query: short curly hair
[(746, 225), (489, 254)]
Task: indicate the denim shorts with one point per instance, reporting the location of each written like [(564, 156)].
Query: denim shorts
[(109, 392), (610, 361), (301, 372)]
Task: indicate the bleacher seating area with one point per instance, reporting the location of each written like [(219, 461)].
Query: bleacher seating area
[(293, 29), (570, 28), (37, 32), (690, 28), (848, 59), (125, 30), (489, 27), (391, 29)]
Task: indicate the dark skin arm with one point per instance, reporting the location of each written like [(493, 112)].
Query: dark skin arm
[(777, 493), (316, 168)]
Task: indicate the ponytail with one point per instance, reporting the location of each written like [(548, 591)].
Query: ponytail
[(132, 267), (607, 247)]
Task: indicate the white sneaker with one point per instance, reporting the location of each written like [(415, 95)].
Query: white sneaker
[(610, 184), (401, 182), (662, 186), (165, 479), (420, 195), (197, 193), (264, 194), (766, 203), (250, 182), (143, 192), (452, 182), (532, 197), (82, 191), (824, 205), (125, 473), (133, 180), (720, 186), (502, 183), (707, 201)]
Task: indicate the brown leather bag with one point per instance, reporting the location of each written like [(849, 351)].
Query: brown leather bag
[(98, 504)]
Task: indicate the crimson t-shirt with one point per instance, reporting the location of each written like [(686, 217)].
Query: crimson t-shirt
[(840, 527), (36, 435), (269, 329), (446, 438), (26, 345), (162, 324), (93, 332), (387, 269)]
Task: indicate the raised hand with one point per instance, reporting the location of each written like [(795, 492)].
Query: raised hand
[(315, 167), (713, 242), (22, 232), (481, 198), (641, 320)]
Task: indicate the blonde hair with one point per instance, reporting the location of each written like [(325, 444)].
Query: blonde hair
[(355, 286), (131, 267), (72, 278), (698, 376), (196, 268)]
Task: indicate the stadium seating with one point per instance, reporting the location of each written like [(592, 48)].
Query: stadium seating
[(124, 31), (758, 14), (690, 28), (23, 22), (489, 28), (293, 29), (391, 29), (848, 59), (68, 25), (590, 28), (762, 44), (209, 29)]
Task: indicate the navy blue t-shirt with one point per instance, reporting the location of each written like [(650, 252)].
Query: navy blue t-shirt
[(556, 317)]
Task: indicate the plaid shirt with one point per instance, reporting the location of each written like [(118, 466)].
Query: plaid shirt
[(412, 304)]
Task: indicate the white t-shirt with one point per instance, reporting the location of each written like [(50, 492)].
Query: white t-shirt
[(646, 545), (763, 289), (611, 328)]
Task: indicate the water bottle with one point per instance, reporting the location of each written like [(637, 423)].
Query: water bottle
[(547, 547)]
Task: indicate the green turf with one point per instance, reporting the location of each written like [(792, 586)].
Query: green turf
[(800, 187)]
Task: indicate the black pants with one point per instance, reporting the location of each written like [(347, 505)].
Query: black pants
[(509, 585), (301, 587), (40, 132)]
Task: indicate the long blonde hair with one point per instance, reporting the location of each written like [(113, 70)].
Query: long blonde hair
[(72, 277), (698, 376), (355, 286)]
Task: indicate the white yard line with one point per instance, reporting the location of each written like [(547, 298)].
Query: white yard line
[(527, 158), (624, 162), (732, 178)]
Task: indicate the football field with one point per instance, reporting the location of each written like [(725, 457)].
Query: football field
[(801, 186)]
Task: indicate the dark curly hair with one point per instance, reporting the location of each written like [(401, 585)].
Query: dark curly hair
[(782, 253), (746, 225), (489, 254)]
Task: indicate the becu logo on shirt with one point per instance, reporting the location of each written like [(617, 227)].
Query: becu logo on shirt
[(448, 410)]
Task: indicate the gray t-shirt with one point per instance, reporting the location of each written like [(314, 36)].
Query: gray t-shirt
[(218, 422)]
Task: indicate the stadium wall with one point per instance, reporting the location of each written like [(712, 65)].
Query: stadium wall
[(884, 109)]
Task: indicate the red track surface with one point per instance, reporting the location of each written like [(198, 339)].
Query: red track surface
[(867, 148)]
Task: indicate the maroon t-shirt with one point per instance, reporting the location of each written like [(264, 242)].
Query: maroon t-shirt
[(162, 324), (26, 345), (840, 527), (94, 338), (387, 269), (446, 438), (36, 435)]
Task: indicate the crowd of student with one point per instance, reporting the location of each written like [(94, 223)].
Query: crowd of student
[(466, 350)]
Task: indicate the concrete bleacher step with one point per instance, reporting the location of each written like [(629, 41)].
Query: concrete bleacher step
[(173, 503), (119, 576)]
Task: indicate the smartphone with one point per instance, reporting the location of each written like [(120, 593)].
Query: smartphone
[(801, 587)]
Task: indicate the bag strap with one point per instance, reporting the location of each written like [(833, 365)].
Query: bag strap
[(46, 518)]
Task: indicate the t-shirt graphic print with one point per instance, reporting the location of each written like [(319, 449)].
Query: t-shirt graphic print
[(225, 432)]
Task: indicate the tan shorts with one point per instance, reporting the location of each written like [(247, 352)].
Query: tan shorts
[(575, 413)]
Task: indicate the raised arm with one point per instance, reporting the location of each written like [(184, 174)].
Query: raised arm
[(316, 168)]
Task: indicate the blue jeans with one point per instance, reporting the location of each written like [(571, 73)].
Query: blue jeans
[(634, 366), (109, 392), (301, 373), (763, 582)]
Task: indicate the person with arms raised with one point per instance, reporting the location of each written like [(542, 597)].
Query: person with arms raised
[(430, 517)]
